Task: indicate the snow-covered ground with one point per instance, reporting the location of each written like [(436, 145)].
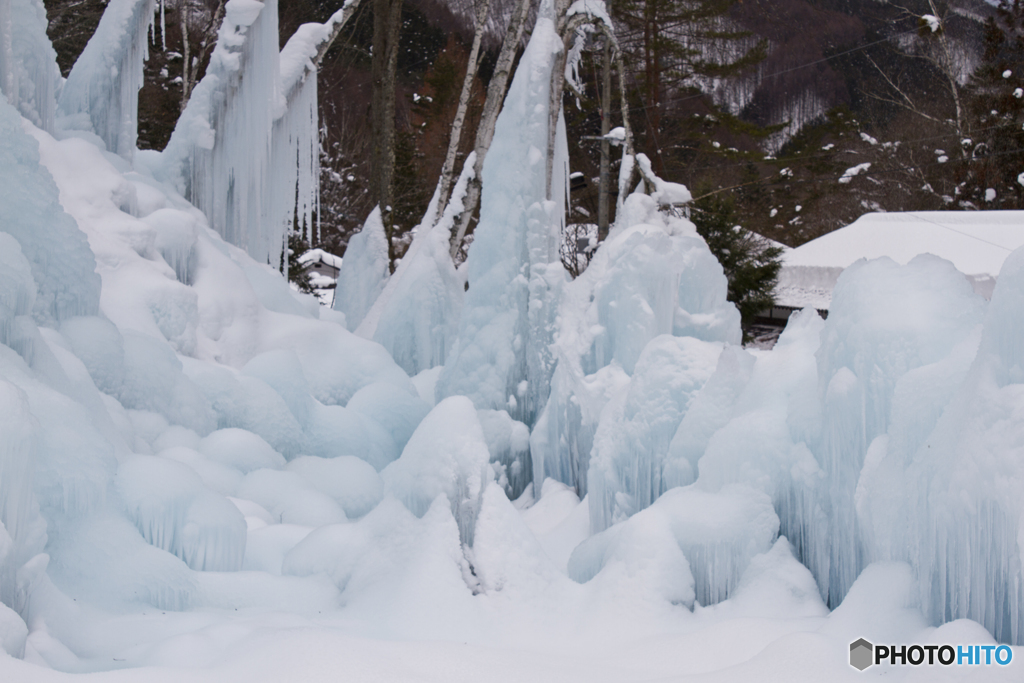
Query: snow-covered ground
[(205, 476)]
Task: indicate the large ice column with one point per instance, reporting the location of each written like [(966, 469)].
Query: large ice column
[(653, 275), (416, 316), (62, 265), (364, 271), (750, 424), (220, 152), (885, 320), (29, 76), (101, 94), (513, 275)]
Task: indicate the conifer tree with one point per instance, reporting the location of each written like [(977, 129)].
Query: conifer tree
[(750, 262)]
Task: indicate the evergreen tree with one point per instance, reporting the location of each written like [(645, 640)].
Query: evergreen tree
[(672, 44), (298, 272), (750, 262)]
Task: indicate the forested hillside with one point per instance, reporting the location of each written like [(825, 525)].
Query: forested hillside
[(804, 114)]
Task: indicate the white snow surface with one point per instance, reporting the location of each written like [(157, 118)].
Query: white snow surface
[(200, 480)]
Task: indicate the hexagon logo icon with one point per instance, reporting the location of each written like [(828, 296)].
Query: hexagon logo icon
[(861, 654)]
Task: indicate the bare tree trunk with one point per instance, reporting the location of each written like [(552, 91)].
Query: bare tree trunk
[(387, 21), (492, 107), (190, 69), (186, 77), (948, 66), (338, 22), (448, 170), (606, 105)]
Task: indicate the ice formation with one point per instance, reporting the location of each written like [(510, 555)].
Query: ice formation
[(652, 276), (295, 155), (594, 467), (220, 154), (29, 76), (447, 456), (415, 316), (63, 268), (364, 271), (101, 94), (501, 358)]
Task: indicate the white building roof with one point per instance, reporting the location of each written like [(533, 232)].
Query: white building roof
[(975, 242)]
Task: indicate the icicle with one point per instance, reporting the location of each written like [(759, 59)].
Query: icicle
[(101, 94), (220, 151)]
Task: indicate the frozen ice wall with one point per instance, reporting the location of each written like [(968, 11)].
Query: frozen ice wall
[(101, 94), (29, 76), (950, 470), (870, 341), (500, 359), (653, 276), (219, 155)]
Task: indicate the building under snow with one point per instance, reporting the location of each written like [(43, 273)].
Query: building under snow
[(976, 242)]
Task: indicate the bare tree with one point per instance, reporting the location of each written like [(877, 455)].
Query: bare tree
[(387, 22), (496, 90), (202, 23), (448, 170)]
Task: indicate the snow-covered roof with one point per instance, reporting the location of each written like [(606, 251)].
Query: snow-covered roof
[(976, 242), (314, 255)]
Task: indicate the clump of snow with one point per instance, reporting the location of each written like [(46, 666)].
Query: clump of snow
[(854, 171), (173, 511)]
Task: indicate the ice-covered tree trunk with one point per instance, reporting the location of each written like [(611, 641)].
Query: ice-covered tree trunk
[(29, 76), (192, 63), (489, 117), (514, 271), (448, 170), (101, 94), (219, 155)]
